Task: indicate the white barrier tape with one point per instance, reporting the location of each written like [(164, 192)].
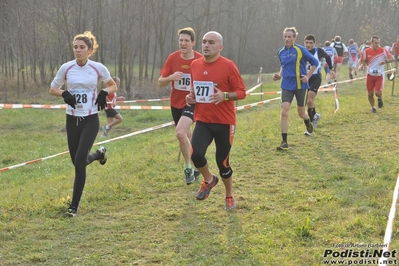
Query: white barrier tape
[(256, 104), (326, 89), (32, 162), (168, 99), (341, 82), (143, 107), (350, 80), (259, 77), (120, 137), (125, 136), (63, 106), (35, 106), (137, 132), (264, 93), (254, 88), (279, 92), (142, 101), (95, 144), (336, 99), (391, 218), (393, 70)]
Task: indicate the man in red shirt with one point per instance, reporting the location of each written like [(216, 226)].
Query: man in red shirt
[(395, 51), (113, 117), (217, 83), (375, 57), (177, 71)]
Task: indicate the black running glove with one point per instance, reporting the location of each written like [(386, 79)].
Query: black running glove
[(102, 100), (69, 99)]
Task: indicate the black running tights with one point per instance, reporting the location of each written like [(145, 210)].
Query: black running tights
[(81, 134)]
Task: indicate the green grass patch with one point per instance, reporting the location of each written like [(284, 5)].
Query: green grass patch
[(333, 187)]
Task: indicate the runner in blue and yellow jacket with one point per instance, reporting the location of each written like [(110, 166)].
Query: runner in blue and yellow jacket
[(295, 77)]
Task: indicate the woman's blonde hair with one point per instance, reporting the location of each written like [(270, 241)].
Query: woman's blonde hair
[(89, 39)]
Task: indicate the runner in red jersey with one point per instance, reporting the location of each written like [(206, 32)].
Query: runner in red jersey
[(217, 83), (375, 57), (395, 51), (113, 117), (177, 71)]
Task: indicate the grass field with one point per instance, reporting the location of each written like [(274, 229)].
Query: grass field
[(330, 189)]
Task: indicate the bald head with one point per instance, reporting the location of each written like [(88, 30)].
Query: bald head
[(212, 45), (215, 35)]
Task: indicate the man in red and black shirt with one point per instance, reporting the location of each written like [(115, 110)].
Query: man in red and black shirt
[(395, 51), (177, 71), (217, 83)]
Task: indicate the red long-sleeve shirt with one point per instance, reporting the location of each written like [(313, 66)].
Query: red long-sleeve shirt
[(174, 63), (223, 73)]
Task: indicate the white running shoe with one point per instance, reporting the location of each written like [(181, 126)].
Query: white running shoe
[(105, 131), (103, 159), (316, 119)]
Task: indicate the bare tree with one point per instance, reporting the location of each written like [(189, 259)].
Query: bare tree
[(136, 36)]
